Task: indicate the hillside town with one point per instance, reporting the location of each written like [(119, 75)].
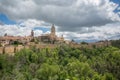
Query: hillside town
[(12, 44)]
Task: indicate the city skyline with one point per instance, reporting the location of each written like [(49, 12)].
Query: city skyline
[(76, 19)]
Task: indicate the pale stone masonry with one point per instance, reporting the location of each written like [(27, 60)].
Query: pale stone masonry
[(1, 50), (9, 49), (52, 37)]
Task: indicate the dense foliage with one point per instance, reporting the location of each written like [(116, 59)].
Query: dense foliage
[(115, 43), (63, 63)]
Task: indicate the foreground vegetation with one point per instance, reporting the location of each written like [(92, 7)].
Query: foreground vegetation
[(63, 63)]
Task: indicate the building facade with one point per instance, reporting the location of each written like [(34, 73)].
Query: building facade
[(9, 40), (52, 37)]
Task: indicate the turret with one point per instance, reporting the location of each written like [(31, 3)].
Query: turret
[(32, 33), (5, 34), (53, 30)]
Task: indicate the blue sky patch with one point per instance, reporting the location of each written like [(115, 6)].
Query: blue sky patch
[(42, 28), (117, 2), (5, 20)]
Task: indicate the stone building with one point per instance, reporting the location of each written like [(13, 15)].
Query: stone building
[(8, 40), (52, 37), (32, 33)]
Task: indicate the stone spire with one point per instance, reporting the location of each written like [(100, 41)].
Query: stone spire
[(32, 33), (53, 29), (5, 34)]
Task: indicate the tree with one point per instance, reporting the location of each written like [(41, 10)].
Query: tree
[(48, 72)]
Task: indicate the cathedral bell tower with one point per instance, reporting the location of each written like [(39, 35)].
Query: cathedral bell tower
[(32, 33), (53, 30)]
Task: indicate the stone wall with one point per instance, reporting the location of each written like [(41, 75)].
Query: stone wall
[(18, 48), (9, 50), (26, 47), (12, 49), (46, 46), (1, 50)]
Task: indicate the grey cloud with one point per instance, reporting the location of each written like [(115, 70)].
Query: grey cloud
[(114, 37), (55, 2), (109, 31), (1, 23), (67, 15)]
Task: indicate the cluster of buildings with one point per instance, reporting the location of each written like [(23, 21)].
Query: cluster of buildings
[(51, 38), (9, 40)]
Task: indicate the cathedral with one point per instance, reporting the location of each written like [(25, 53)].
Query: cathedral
[(52, 37)]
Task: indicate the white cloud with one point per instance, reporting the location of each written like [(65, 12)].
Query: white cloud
[(24, 28), (109, 31), (15, 30), (66, 14), (31, 23), (38, 32), (78, 19), (118, 8)]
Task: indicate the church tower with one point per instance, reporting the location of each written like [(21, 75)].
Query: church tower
[(32, 33), (53, 30), (5, 34)]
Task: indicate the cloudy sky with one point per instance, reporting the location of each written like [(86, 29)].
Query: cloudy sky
[(75, 19)]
